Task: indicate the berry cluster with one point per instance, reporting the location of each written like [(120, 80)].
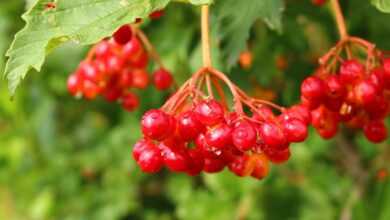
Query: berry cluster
[(350, 92), (194, 132), (318, 2), (115, 67)]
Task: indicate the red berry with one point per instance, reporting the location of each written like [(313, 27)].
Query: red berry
[(156, 14), (313, 88), (219, 137), (206, 150), (125, 78), (325, 121), (74, 84), (213, 165), (131, 49), (377, 78), (351, 71), (209, 112), (150, 159), (175, 157), (123, 35), (244, 136), (88, 71), (140, 61), (375, 131), (90, 89), (272, 135), (261, 166), (263, 113), (102, 49), (114, 64), (335, 87), (130, 101), (318, 2), (365, 92), (195, 163), (140, 79), (139, 147), (188, 126), (279, 157), (156, 124), (295, 130), (240, 166), (162, 79), (112, 94), (300, 112)]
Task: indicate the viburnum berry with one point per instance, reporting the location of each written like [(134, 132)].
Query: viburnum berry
[(149, 158), (188, 126), (244, 136), (156, 14), (123, 35), (140, 79), (318, 2), (351, 71), (219, 136), (162, 79), (295, 130), (273, 135), (213, 165), (209, 112), (313, 88), (74, 84), (130, 101), (375, 131), (175, 157), (156, 124)]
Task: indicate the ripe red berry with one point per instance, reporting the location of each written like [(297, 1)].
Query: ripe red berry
[(150, 159), (90, 89), (130, 101), (377, 78), (318, 2), (313, 88), (139, 147), (295, 130), (156, 124), (213, 165), (365, 92), (132, 48), (263, 113), (114, 64), (125, 79), (156, 14), (261, 166), (140, 79), (272, 135), (102, 49), (279, 157), (175, 157), (351, 71), (209, 112), (140, 61), (300, 112), (325, 121), (375, 131), (112, 94), (123, 35), (162, 79), (206, 150), (244, 136), (74, 84), (219, 136), (336, 89), (188, 126), (195, 163), (88, 71), (240, 166)]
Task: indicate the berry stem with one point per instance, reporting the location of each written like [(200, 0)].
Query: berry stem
[(338, 14), (149, 47), (206, 36)]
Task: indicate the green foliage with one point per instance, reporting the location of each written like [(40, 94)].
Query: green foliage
[(62, 158), (383, 5)]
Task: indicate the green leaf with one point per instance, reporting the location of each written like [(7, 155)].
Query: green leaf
[(82, 21), (235, 19), (382, 5), (197, 2)]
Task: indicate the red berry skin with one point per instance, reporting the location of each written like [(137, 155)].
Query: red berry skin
[(378, 109), (196, 162), (313, 88), (300, 112), (74, 84), (240, 166), (318, 2), (175, 157), (244, 136), (102, 49), (125, 79), (140, 61), (351, 71), (209, 112), (325, 122), (114, 64), (162, 79), (130, 101), (112, 94), (90, 89), (150, 159), (123, 35), (231, 118), (156, 125), (188, 126), (132, 49), (279, 157), (336, 89), (213, 165), (312, 103), (261, 166), (377, 78), (365, 92), (263, 113), (206, 150), (375, 131), (88, 71), (295, 130), (139, 147), (219, 136), (140, 79), (272, 135), (156, 14)]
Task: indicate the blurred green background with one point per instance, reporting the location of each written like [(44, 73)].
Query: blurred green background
[(62, 158)]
